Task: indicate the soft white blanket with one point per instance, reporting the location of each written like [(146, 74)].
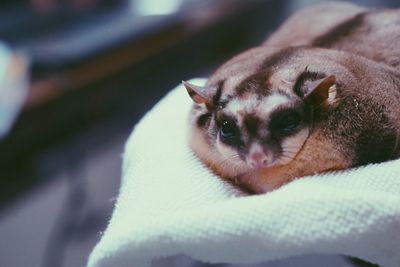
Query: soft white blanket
[(169, 203)]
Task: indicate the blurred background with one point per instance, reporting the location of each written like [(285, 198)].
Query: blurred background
[(75, 77)]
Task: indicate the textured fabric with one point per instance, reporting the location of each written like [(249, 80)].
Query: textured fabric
[(169, 203)]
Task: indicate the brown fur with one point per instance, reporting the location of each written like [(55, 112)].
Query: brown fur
[(358, 124)]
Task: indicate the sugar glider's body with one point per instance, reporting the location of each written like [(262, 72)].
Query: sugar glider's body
[(322, 93)]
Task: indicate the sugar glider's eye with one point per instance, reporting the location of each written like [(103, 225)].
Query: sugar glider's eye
[(228, 131), (287, 123)]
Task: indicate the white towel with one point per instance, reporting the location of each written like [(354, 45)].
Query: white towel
[(169, 203)]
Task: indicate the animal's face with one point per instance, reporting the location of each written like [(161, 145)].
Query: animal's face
[(260, 131), (259, 117)]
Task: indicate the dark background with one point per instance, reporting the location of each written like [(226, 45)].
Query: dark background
[(97, 67)]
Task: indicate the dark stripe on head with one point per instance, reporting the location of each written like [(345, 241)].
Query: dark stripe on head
[(218, 93), (341, 31), (223, 102), (279, 58), (252, 123), (258, 82)]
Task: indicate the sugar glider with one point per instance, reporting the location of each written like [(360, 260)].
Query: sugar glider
[(321, 94)]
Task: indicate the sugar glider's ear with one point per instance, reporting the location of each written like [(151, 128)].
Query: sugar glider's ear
[(320, 91), (201, 94)]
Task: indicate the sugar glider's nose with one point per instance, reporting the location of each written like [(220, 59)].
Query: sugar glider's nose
[(257, 158)]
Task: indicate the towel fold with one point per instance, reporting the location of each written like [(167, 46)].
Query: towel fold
[(170, 203)]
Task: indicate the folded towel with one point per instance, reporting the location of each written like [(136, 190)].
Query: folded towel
[(170, 203)]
